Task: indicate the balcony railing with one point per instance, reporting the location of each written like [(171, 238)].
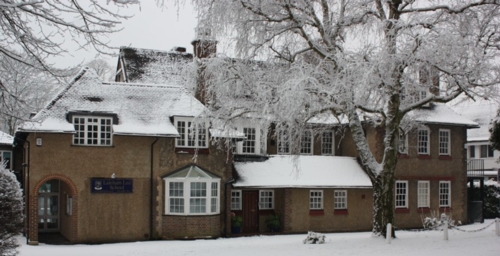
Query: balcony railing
[(475, 168)]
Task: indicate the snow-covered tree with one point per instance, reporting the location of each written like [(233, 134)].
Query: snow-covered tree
[(11, 212), (371, 62), (23, 90), (495, 132), (102, 69)]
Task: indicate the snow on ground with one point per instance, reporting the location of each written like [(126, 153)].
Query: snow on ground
[(408, 243)]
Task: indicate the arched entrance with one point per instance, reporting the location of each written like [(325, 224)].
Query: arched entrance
[(53, 215)]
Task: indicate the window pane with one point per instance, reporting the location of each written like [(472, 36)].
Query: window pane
[(176, 205), (401, 194), (423, 140), (176, 189), (472, 151), (423, 194), (181, 128), (490, 151), (316, 200), (197, 205), (249, 143), (198, 189), (444, 142), (283, 142), (327, 143), (444, 194), (306, 142), (340, 199), (266, 199)]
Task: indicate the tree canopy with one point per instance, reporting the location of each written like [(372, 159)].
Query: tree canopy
[(367, 61)]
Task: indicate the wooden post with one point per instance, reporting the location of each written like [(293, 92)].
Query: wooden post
[(388, 235), (445, 230)]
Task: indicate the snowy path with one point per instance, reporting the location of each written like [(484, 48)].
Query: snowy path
[(425, 243)]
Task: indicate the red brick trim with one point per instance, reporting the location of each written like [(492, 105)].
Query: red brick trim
[(443, 157), (316, 212), (402, 210), (340, 212), (201, 151), (33, 217), (443, 178), (424, 210), (424, 157), (403, 156)]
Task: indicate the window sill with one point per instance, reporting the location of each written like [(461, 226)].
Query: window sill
[(424, 210), (445, 157), (402, 210), (445, 209), (316, 212), (403, 156), (191, 215), (203, 151), (93, 146), (425, 157), (340, 212)]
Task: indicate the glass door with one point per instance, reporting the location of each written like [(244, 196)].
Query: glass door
[(48, 207)]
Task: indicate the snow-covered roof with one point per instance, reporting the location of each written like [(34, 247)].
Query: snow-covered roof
[(154, 66), (142, 109), (302, 171), (6, 139), (480, 111), (441, 114)]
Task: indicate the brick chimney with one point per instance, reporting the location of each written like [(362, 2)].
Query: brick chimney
[(429, 76)]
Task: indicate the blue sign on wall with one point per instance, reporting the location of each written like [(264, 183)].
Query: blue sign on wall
[(102, 185)]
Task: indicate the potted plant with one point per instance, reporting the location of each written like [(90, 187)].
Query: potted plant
[(274, 223), (236, 223)]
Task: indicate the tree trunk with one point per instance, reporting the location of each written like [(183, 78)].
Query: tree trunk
[(383, 203)]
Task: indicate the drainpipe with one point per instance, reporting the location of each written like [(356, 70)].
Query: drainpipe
[(225, 203), (151, 202), (27, 189)]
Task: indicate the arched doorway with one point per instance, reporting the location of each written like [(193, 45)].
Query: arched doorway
[(55, 201)]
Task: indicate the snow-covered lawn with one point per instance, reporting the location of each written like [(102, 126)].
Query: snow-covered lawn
[(424, 243)]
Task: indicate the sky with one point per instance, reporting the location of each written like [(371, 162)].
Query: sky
[(151, 27)]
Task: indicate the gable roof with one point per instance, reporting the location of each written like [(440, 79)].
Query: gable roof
[(6, 139), (153, 66), (304, 171), (141, 109)]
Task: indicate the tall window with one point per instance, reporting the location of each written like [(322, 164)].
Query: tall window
[(92, 130), (306, 142), (236, 200), (444, 194), (340, 199), (423, 141), (327, 143), (402, 142), (266, 199), (249, 143), (5, 158), (444, 142), (255, 142), (192, 191), (316, 199), (472, 151), (401, 194), (423, 194), (190, 137), (284, 142), (486, 151)]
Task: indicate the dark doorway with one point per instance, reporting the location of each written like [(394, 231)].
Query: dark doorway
[(250, 211)]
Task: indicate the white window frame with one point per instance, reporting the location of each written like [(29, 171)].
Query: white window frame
[(328, 143), (2, 158), (403, 142), (444, 142), (266, 199), (316, 200), (421, 144), (307, 142), (260, 144), (423, 194), (399, 196), (340, 199), (236, 200), (102, 129), (444, 193), (283, 142), (188, 138), (186, 195)]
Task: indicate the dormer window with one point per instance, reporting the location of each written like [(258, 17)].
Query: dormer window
[(190, 136), (94, 131), (254, 144)]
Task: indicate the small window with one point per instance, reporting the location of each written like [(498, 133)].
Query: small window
[(490, 151), (486, 151), (401, 194), (94, 131), (444, 142), (5, 159), (306, 142), (190, 137), (249, 143), (472, 151), (236, 200), (327, 143), (423, 194), (316, 200), (444, 194), (266, 199), (340, 200), (423, 141)]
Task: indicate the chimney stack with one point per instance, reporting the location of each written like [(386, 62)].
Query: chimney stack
[(204, 44)]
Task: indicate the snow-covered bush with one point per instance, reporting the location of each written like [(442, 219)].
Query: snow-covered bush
[(491, 199), (314, 238), (11, 212), (436, 221)]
